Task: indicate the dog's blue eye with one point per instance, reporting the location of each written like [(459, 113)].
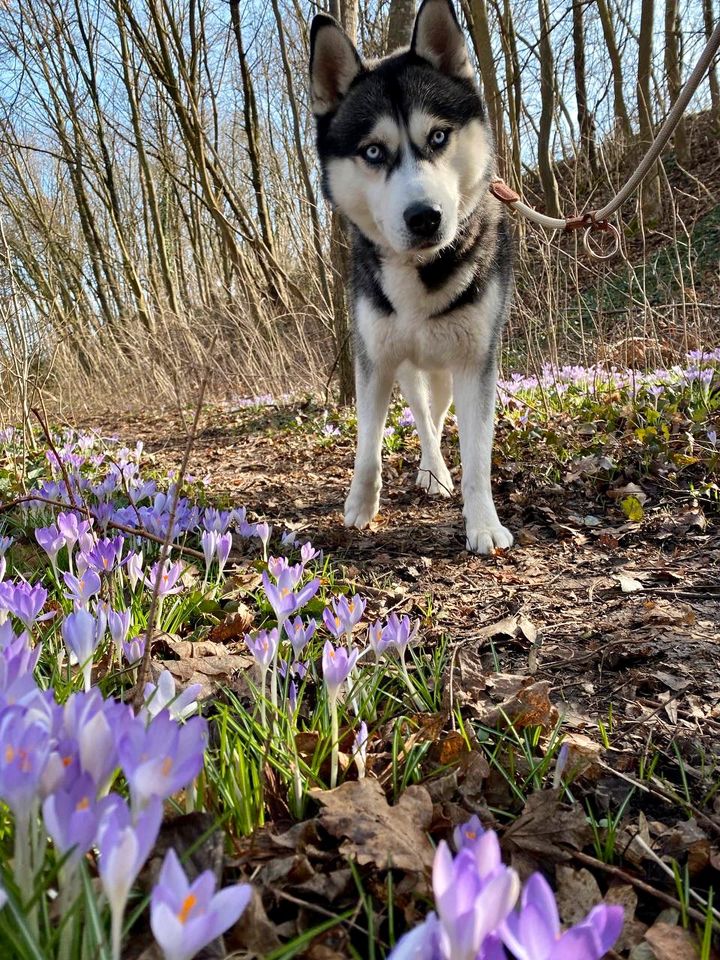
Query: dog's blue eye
[(373, 153), (438, 137)]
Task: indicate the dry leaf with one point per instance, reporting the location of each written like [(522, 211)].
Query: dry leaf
[(546, 829), (672, 943), (373, 831)]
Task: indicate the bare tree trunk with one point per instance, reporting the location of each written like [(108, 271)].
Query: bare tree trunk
[(547, 101), (252, 129), (400, 24), (622, 118), (345, 12), (673, 72), (482, 42), (709, 21), (513, 81), (650, 192), (586, 121)]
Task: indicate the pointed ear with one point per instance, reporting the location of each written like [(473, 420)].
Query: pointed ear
[(437, 37), (334, 64)]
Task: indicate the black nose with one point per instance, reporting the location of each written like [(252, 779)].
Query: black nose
[(423, 219)]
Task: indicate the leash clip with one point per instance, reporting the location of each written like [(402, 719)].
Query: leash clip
[(589, 223)]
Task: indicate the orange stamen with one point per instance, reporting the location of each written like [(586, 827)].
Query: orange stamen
[(186, 908)]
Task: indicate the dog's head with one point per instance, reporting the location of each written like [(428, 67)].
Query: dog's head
[(404, 144)]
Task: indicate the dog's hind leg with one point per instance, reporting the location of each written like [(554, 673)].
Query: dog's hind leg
[(373, 385), (433, 474)]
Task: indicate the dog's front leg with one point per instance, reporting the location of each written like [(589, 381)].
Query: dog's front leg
[(475, 407), (373, 386)]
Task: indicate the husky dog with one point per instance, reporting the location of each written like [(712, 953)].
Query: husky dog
[(407, 156)]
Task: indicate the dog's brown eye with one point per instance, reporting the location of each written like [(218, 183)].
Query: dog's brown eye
[(438, 138), (373, 153)]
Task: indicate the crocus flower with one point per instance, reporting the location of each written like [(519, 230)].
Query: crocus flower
[(5, 544), (276, 565), (169, 577), (134, 649), (82, 633), (470, 906), (25, 749), (360, 749), (134, 569), (124, 847), (119, 624), (91, 725), (209, 541), (264, 532), (308, 553), (263, 646), (378, 642), (70, 528), (83, 588), (468, 834), (51, 540), (25, 602), (186, 917), (284, 599), (533, 933), (72, 816), (344, 615), (105, 554), (17, 663), (300, 634), (163, 696), (224, 546), (3, 567), (162, 758), (399, 632), (336, 666)]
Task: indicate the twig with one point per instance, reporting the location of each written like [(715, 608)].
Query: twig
[(63, 469), (637, 883), (144, 669)]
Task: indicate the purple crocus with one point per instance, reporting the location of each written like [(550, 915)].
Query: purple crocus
[(17, 663), (82, 633), (224, 546), (105, 554), (25, 602), (308, 553), (162, 758), (5, 544), (284, 599), (163, 695), (533, 932), (360, 749), (72, 816), (133, 650), (70, 528), (168, 578), (52, 542), (83, 588), (264, 532), (343, 616), (186, 917), (400, 632), (336, 665), (24, 752), (300, 634), (119, 625), (470, 905), (468, 834), (263, 646), (209, 542), (90, 727), (124, 845)]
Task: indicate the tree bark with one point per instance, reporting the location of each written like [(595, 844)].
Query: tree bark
[(547, 109), (482, 42), (622, 118), (400, 24), (650, 191), (586, 120), (709, 21), (673, 72)]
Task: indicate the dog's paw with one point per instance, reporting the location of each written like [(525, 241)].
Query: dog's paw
[(360, 507), (436, 481), (485, 540)]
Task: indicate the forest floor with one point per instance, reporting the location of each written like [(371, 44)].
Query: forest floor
[(603, 621)]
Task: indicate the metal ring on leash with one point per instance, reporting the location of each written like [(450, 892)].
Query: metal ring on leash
[(603, 227)]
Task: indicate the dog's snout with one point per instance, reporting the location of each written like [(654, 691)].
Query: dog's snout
[(423, 219)]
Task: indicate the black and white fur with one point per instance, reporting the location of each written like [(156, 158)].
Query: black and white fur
[(407, 157)]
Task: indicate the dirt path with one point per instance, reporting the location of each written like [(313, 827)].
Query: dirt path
[(621, 620)]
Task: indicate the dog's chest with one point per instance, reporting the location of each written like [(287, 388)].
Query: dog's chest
[(419, 330)]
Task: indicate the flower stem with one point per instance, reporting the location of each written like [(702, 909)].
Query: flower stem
[(335, 735)]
